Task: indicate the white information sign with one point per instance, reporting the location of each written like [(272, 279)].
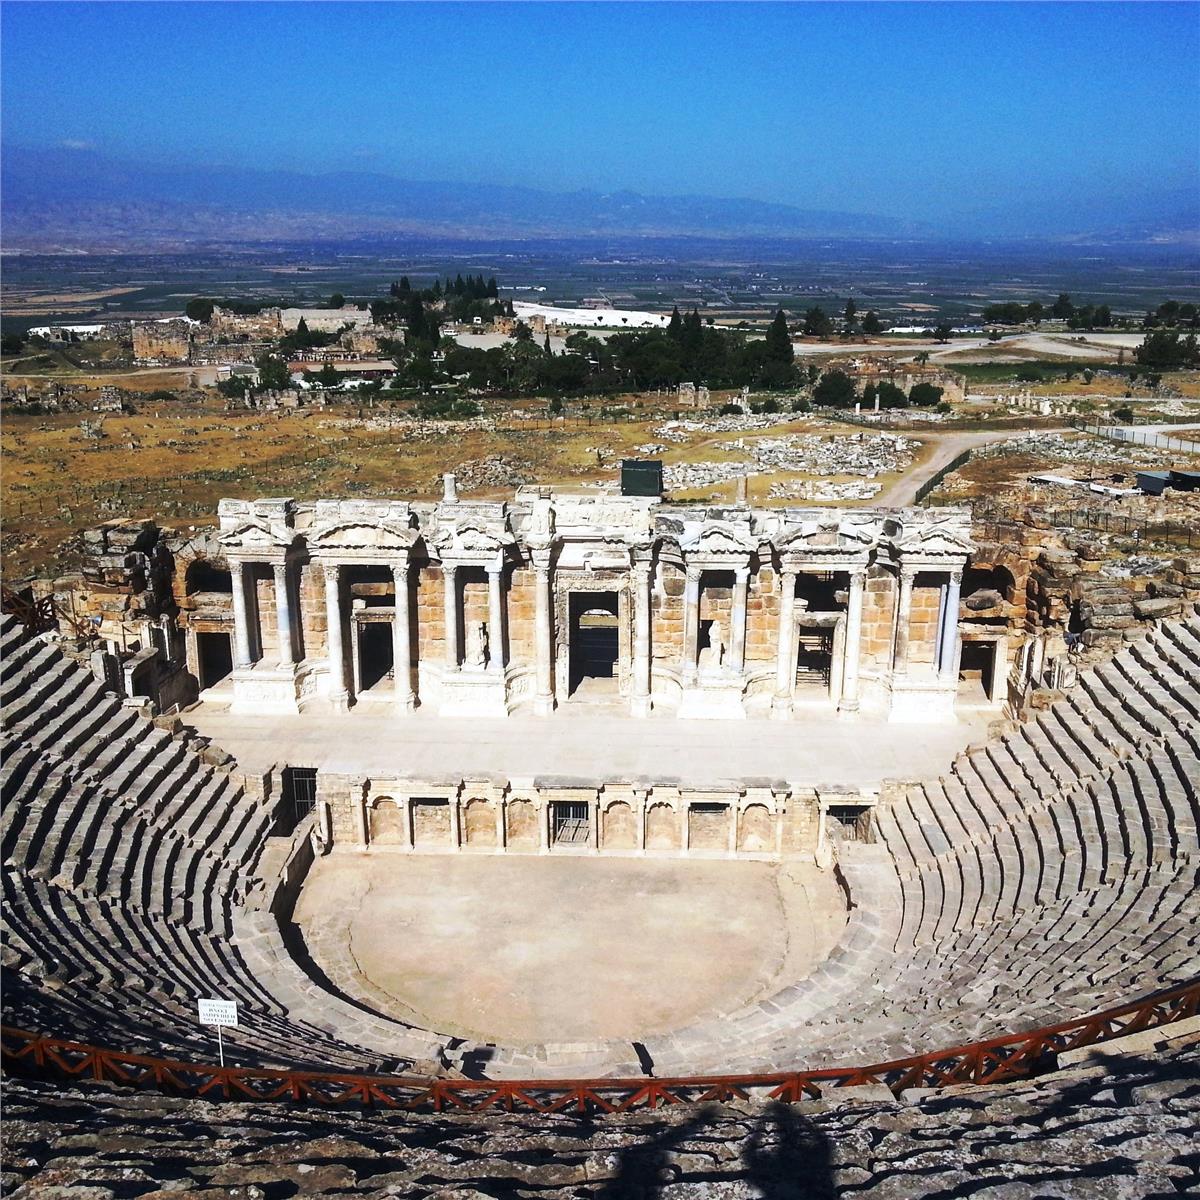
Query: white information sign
[(220, 1013)]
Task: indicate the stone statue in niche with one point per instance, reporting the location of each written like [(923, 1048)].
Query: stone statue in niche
[(477, 644), (712, 657)]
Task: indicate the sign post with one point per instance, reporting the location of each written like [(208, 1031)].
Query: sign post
[(219, 1013)]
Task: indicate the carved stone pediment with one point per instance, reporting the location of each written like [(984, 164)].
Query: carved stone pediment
[(358, 535), (254, 535), (834, 534), (719, 539), (469, 537), (257, 524), (936, 537)]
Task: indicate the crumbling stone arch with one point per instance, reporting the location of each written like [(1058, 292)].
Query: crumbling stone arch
[(387, 822), (479, 822), (620, 827), (755, 832), (521, 827), (662, 827)]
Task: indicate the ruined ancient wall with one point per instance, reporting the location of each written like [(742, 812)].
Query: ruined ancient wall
[(162, 341), (496, 817)]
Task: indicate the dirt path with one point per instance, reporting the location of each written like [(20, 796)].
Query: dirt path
[(946, 447)]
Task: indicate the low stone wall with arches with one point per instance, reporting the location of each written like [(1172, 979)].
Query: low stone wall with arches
[(544, 816)]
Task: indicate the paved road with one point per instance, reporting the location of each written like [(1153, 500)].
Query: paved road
[(947, 446)]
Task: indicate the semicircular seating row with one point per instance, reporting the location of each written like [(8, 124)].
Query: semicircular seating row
[(127, 862), (1051, 872)]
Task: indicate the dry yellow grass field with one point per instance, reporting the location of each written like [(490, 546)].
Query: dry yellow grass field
[(173, 461)]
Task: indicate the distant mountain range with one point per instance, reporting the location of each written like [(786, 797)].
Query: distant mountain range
[(77, 199)]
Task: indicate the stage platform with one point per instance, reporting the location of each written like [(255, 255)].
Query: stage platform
[(822, 750)]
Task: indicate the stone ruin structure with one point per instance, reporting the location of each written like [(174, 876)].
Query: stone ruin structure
[(163, 341), (485, 608)]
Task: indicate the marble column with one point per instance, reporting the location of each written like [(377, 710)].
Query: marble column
[(543, 701), (854, 609), (500, 838), (241, 617), (495, 576), (903, 622), (283, 615), (948, 658), (333, 635), (642, 662), (402, 639), (785, 667), (737, 635), (691, 625), (450, 603)]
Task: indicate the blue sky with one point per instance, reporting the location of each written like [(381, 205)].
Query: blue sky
[(910, 109)]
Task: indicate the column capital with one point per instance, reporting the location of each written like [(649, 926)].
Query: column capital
[(858, 574), (741, 573), (908, 572), (400, 569), (787, 574), (956, 575)]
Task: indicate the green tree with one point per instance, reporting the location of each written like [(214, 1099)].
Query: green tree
[(675, 325), (1168, 348), (944, 331), (779, 340), (200, 309), (851, 312), (891, 396), (1124, 414), (1062, 308), (328, 375), (817, 323), (924, 395), (273, 374), (337, 300), (12, 343), (835, 390), (871, 323)]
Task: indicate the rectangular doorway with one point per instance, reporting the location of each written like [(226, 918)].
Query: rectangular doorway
[(375, 653), (594, 638), (299, 794), (215, 654), (569, 824)]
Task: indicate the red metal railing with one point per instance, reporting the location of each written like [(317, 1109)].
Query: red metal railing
[(1013, 1056)]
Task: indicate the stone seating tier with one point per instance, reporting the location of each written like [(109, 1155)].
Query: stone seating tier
[(1050, 872)]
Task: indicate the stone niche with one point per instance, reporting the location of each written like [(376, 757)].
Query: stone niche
[(521, 825), (431, 823)]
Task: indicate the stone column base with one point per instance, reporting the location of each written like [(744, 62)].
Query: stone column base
[(267, 689), (474, 693), (712, 699), (922, 701)]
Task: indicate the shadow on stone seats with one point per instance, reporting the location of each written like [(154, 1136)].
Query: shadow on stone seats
[(785, 1156)]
